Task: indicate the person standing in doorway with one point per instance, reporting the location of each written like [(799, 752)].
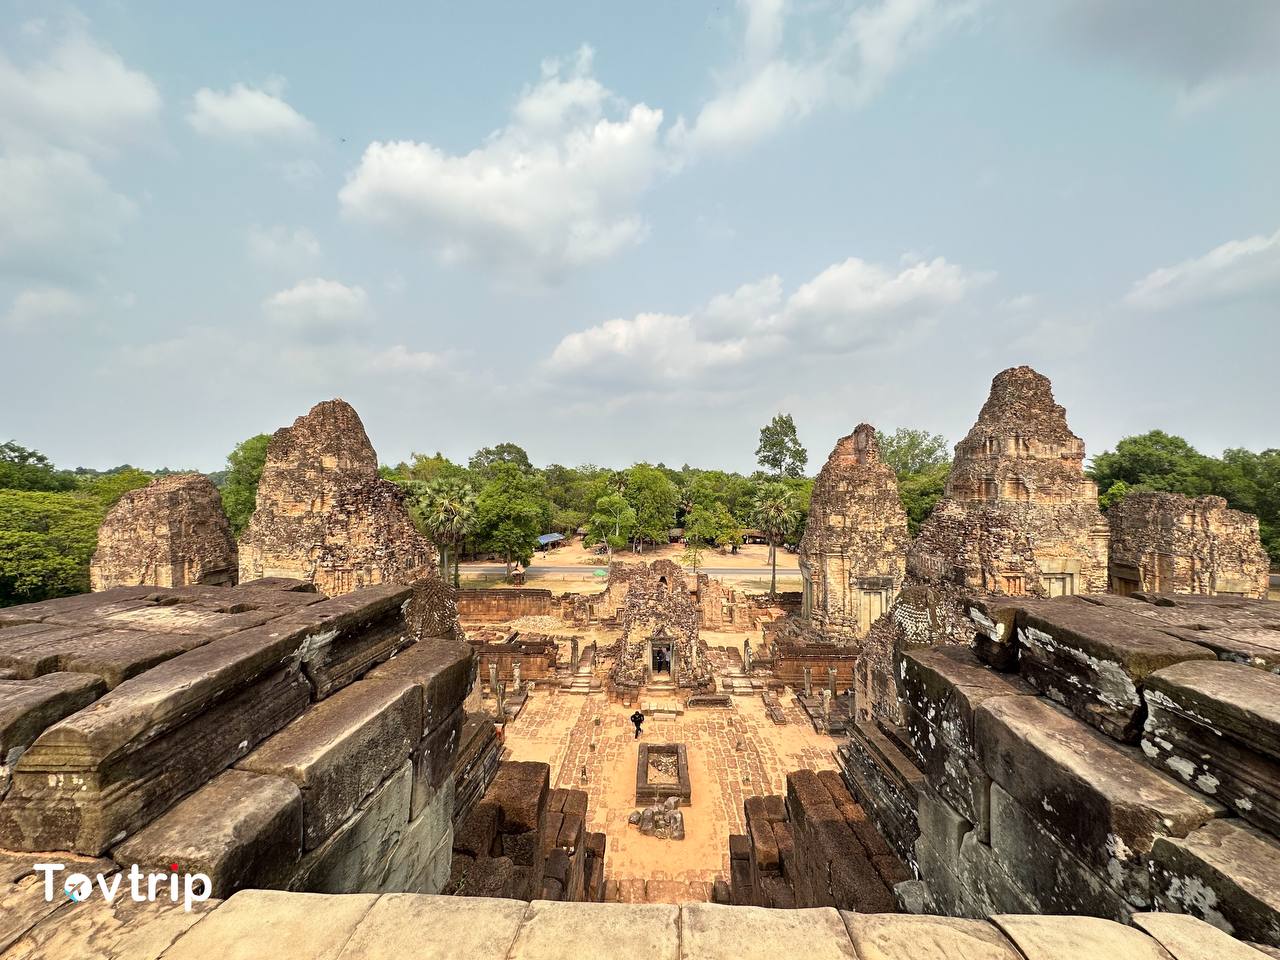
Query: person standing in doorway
[(638, 719)]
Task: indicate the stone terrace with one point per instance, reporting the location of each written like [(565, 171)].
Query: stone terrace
[(267, 925), (734, 753)]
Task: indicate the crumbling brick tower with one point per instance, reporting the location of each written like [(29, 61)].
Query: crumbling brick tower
[(1019, 516), (323, 513), (1168, 543), (853, 555), (171, 533)]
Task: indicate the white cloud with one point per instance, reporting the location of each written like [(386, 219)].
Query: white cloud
[(70, 102), (553, 189), (247, 113), (58, 214), (769, 87), (1235, 270), (848, 306), (80, 95), (282, 248), (41, 307), (318, 307), (400, 358)]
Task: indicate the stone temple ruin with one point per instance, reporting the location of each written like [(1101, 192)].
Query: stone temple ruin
[(324, 515), (1168, 543), (853, 552), (1019, 517), (170, 533), (1033, 768)]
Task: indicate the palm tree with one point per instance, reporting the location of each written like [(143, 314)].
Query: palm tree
[(777, 514), (448, 511)]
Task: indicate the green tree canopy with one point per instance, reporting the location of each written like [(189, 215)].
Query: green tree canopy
[(654, 497), (908, 451), (612, 523), (445, 507), (23, 469), (511, 511), (240, 485), (484, 460), (920, 493), (777, 514), (779, 450)]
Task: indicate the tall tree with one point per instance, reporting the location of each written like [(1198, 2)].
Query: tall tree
[(510, 512), (778, 516), (447, 510), (23, 469), (612, 523), (240, 487), (779, 450), (654, 498), (484, 460), (908, 451)]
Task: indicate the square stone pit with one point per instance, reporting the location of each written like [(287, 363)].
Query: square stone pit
[(651, 787)]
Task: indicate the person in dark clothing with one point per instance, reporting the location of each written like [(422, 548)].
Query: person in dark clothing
[(638, 719)]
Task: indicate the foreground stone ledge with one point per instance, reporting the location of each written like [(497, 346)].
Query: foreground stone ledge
[(1057, 938), (1102, 800), (1187, 938), (889, 936), (715, 932), (598, 931)]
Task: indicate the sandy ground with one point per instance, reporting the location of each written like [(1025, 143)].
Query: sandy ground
[(733, 754)]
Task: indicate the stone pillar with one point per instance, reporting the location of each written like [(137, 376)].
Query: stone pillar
[(808, 680), (826, 705), (831, 680), (746, 656), (573, 653), (493, 679), (515, 677), (502, 700)]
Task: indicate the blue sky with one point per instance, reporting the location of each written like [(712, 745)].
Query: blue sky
[(614, 232)]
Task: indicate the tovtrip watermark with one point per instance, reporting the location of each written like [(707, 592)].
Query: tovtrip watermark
[(141, 888)]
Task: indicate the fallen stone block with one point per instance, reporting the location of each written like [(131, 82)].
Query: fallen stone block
[(341, 749), (240, 830), (520, 789), (1100, 799), (1216, 726), (1227, 874), (1093, 660)]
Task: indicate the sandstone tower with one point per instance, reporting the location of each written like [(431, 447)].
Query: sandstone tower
[(170, 533), (1168, 543), (323, 514), (1019, 516), (854, 551)]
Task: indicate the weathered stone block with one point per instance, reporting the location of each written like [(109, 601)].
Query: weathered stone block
[(348, 635), (266, 923), (341, 749), (648, 930), (421, 861), (1098, 798), (442, 668), (893, 937), (1052, 876), (352, 859), (28, 707), (1189, 938), (1052, 938), (99, 775), (476, 833), (520, 789), (1225, 873), (97, 930), (715, 932), (433, 758), (1093, 660), (241, 830), (1216, 726)]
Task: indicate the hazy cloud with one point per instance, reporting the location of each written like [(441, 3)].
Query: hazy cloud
[(282, 248), (248, 113), (318, 307), (1235, 270)]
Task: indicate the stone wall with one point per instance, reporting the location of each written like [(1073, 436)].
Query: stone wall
[(397, 926), (324, 515), (171, 533), (1168, 543), (1019, 517), (656, 608), (263, 734), (1094, 755), (526, 841), (816, 847), (536, 653), (724, 608), (501, 605), (854, 549)]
